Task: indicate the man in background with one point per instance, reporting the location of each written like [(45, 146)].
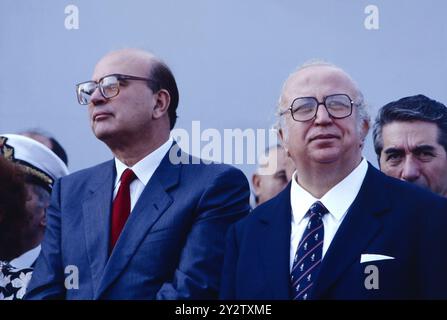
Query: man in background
[(274, 172), (22, 229), (410, 140), (47, 140)]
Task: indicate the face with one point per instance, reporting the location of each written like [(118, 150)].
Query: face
[(129, 114), (36, 205), (322, 140), (411, 152), (274, 174)]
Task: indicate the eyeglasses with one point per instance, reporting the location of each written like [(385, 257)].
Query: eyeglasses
[(303, 109), (109, 86)]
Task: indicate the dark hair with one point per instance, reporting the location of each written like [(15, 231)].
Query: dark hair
[(161, 74), (13, 197), (58, 150), (413, 108), (56, 147)]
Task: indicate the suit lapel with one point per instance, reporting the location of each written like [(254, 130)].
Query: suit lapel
[(96, 213), (274, 244), (153, 201), (359, 227)]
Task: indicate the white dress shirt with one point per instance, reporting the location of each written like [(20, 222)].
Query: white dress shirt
[(143, 169), (337, 201)]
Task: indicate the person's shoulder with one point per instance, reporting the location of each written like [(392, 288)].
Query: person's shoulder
[(210, 169), (406, 194), (89, 173), (276, 208), (415, 208), (410, 191)]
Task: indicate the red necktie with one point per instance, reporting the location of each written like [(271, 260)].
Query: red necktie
[(121, 207)]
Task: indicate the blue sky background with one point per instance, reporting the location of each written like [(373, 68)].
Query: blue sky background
[(230, 57)]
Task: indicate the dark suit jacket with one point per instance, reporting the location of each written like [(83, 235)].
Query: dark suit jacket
[(170, 248), (388, 217)]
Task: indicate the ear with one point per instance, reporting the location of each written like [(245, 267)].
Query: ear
[(43, 219), (163, 99), (378, 161), (364, 129), (256, 181), (282, 139), (280, 134)]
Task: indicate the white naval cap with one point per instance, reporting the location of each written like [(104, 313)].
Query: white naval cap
[(33, 157)]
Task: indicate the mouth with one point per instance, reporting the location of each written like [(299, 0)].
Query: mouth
[(324, 137), (101, 116)]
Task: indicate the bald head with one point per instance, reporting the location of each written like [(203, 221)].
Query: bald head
[(137, 62), (128, 61), (318, 79), (305, 78)]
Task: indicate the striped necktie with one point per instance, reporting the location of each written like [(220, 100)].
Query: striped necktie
[(307, 261)]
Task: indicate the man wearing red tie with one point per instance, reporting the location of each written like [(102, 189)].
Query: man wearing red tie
[(141, 226)]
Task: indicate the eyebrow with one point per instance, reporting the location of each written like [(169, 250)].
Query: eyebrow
[(423, 148), (393, 150), (420, 148)]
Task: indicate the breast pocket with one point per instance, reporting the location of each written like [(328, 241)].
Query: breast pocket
[(388, 279)]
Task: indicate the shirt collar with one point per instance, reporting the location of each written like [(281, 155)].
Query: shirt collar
[(145, 168), (337, 200), (27, 259)]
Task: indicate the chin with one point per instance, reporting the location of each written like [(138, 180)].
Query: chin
[(326, 155), (103, 134), (326, 160)]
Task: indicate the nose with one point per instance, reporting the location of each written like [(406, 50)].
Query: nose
[(410, 171), (97, 98), (322, 116)]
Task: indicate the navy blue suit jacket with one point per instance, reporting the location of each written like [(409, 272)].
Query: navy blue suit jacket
[(170, 248), (388, 217)]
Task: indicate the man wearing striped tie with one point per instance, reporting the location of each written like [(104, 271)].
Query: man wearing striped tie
[(341, 229)]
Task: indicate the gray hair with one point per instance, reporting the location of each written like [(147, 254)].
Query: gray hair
[(413, 108)]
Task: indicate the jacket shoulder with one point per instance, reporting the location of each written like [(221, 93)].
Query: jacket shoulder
[(276, 210), (408, 192), (199, 167), (85, 175)]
